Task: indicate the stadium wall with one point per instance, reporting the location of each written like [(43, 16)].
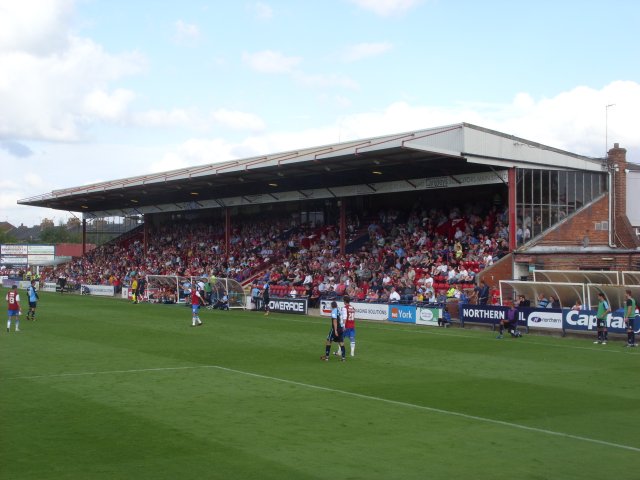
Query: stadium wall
[(501, 270), (72, 249), (583, 223), (577, 261)]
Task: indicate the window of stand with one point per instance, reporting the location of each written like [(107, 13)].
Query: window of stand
[(545, 197)]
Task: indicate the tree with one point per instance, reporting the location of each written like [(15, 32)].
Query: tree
[(59, 234), (46, 223), (7, 237), (73, 222)]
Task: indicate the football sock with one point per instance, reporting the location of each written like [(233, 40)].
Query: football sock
[(327, 350), (8, 324), (630, 339), (343, 350), (353, 348)]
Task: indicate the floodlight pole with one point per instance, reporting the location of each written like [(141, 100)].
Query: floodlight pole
[(610, 171), (606, 128)]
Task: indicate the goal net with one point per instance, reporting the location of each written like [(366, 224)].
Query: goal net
[(176, 289), (167, 288)]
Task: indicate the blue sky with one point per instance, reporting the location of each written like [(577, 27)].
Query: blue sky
[(93, 90)]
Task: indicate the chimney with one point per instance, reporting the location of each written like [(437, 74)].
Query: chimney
[(618, 160), (622, 229)]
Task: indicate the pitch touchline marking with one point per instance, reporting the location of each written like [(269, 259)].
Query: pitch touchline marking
[(350, 394), (375, 325), (106, 372)]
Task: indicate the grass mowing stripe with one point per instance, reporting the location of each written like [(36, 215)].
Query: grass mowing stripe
[(351, 394), (375, 325)]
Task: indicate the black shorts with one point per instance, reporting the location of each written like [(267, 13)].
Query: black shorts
[(601, 323), (33, 304), (629, 322), (335, 336)]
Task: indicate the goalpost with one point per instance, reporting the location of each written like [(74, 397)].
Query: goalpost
[(176, 289), (167, 288)]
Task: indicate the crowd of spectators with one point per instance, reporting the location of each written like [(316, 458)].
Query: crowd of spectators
[(185, 249), (423, 256), (415, 255)]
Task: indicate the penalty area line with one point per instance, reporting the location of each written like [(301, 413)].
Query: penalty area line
[(349, 394)]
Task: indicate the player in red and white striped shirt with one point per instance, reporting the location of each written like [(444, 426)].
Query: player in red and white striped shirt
[(13, 306)]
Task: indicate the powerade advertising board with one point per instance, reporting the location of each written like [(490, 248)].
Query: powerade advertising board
[(586, 320), (289, 305)]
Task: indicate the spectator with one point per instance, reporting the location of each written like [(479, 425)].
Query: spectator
[(542, 301), (394, 296), (482, 293)]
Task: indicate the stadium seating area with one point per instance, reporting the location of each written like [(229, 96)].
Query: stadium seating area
[(414, 251)]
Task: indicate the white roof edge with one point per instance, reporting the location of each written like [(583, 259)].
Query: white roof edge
[(320, 152)]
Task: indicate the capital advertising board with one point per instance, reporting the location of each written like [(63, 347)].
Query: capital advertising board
[(587, 320), (402, 313)]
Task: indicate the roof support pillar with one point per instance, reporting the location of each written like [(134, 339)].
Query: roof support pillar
[(84, 236), (343, 224), (227, 233), (145, 235), (512, 208)]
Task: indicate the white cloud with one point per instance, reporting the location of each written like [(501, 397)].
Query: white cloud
[(386, 8), (194, 152), (162, 118), (261, 11), (325, 80), (101, 104), (268, 61), (572, 121), (50, 88), (186, 33), (193, 119), (238, 120), (33, 180), (33, 26), (360, 51)]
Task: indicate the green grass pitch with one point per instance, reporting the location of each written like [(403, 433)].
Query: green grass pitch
[(102, 389)]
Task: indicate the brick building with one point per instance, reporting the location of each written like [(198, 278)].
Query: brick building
[(598, 236)]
